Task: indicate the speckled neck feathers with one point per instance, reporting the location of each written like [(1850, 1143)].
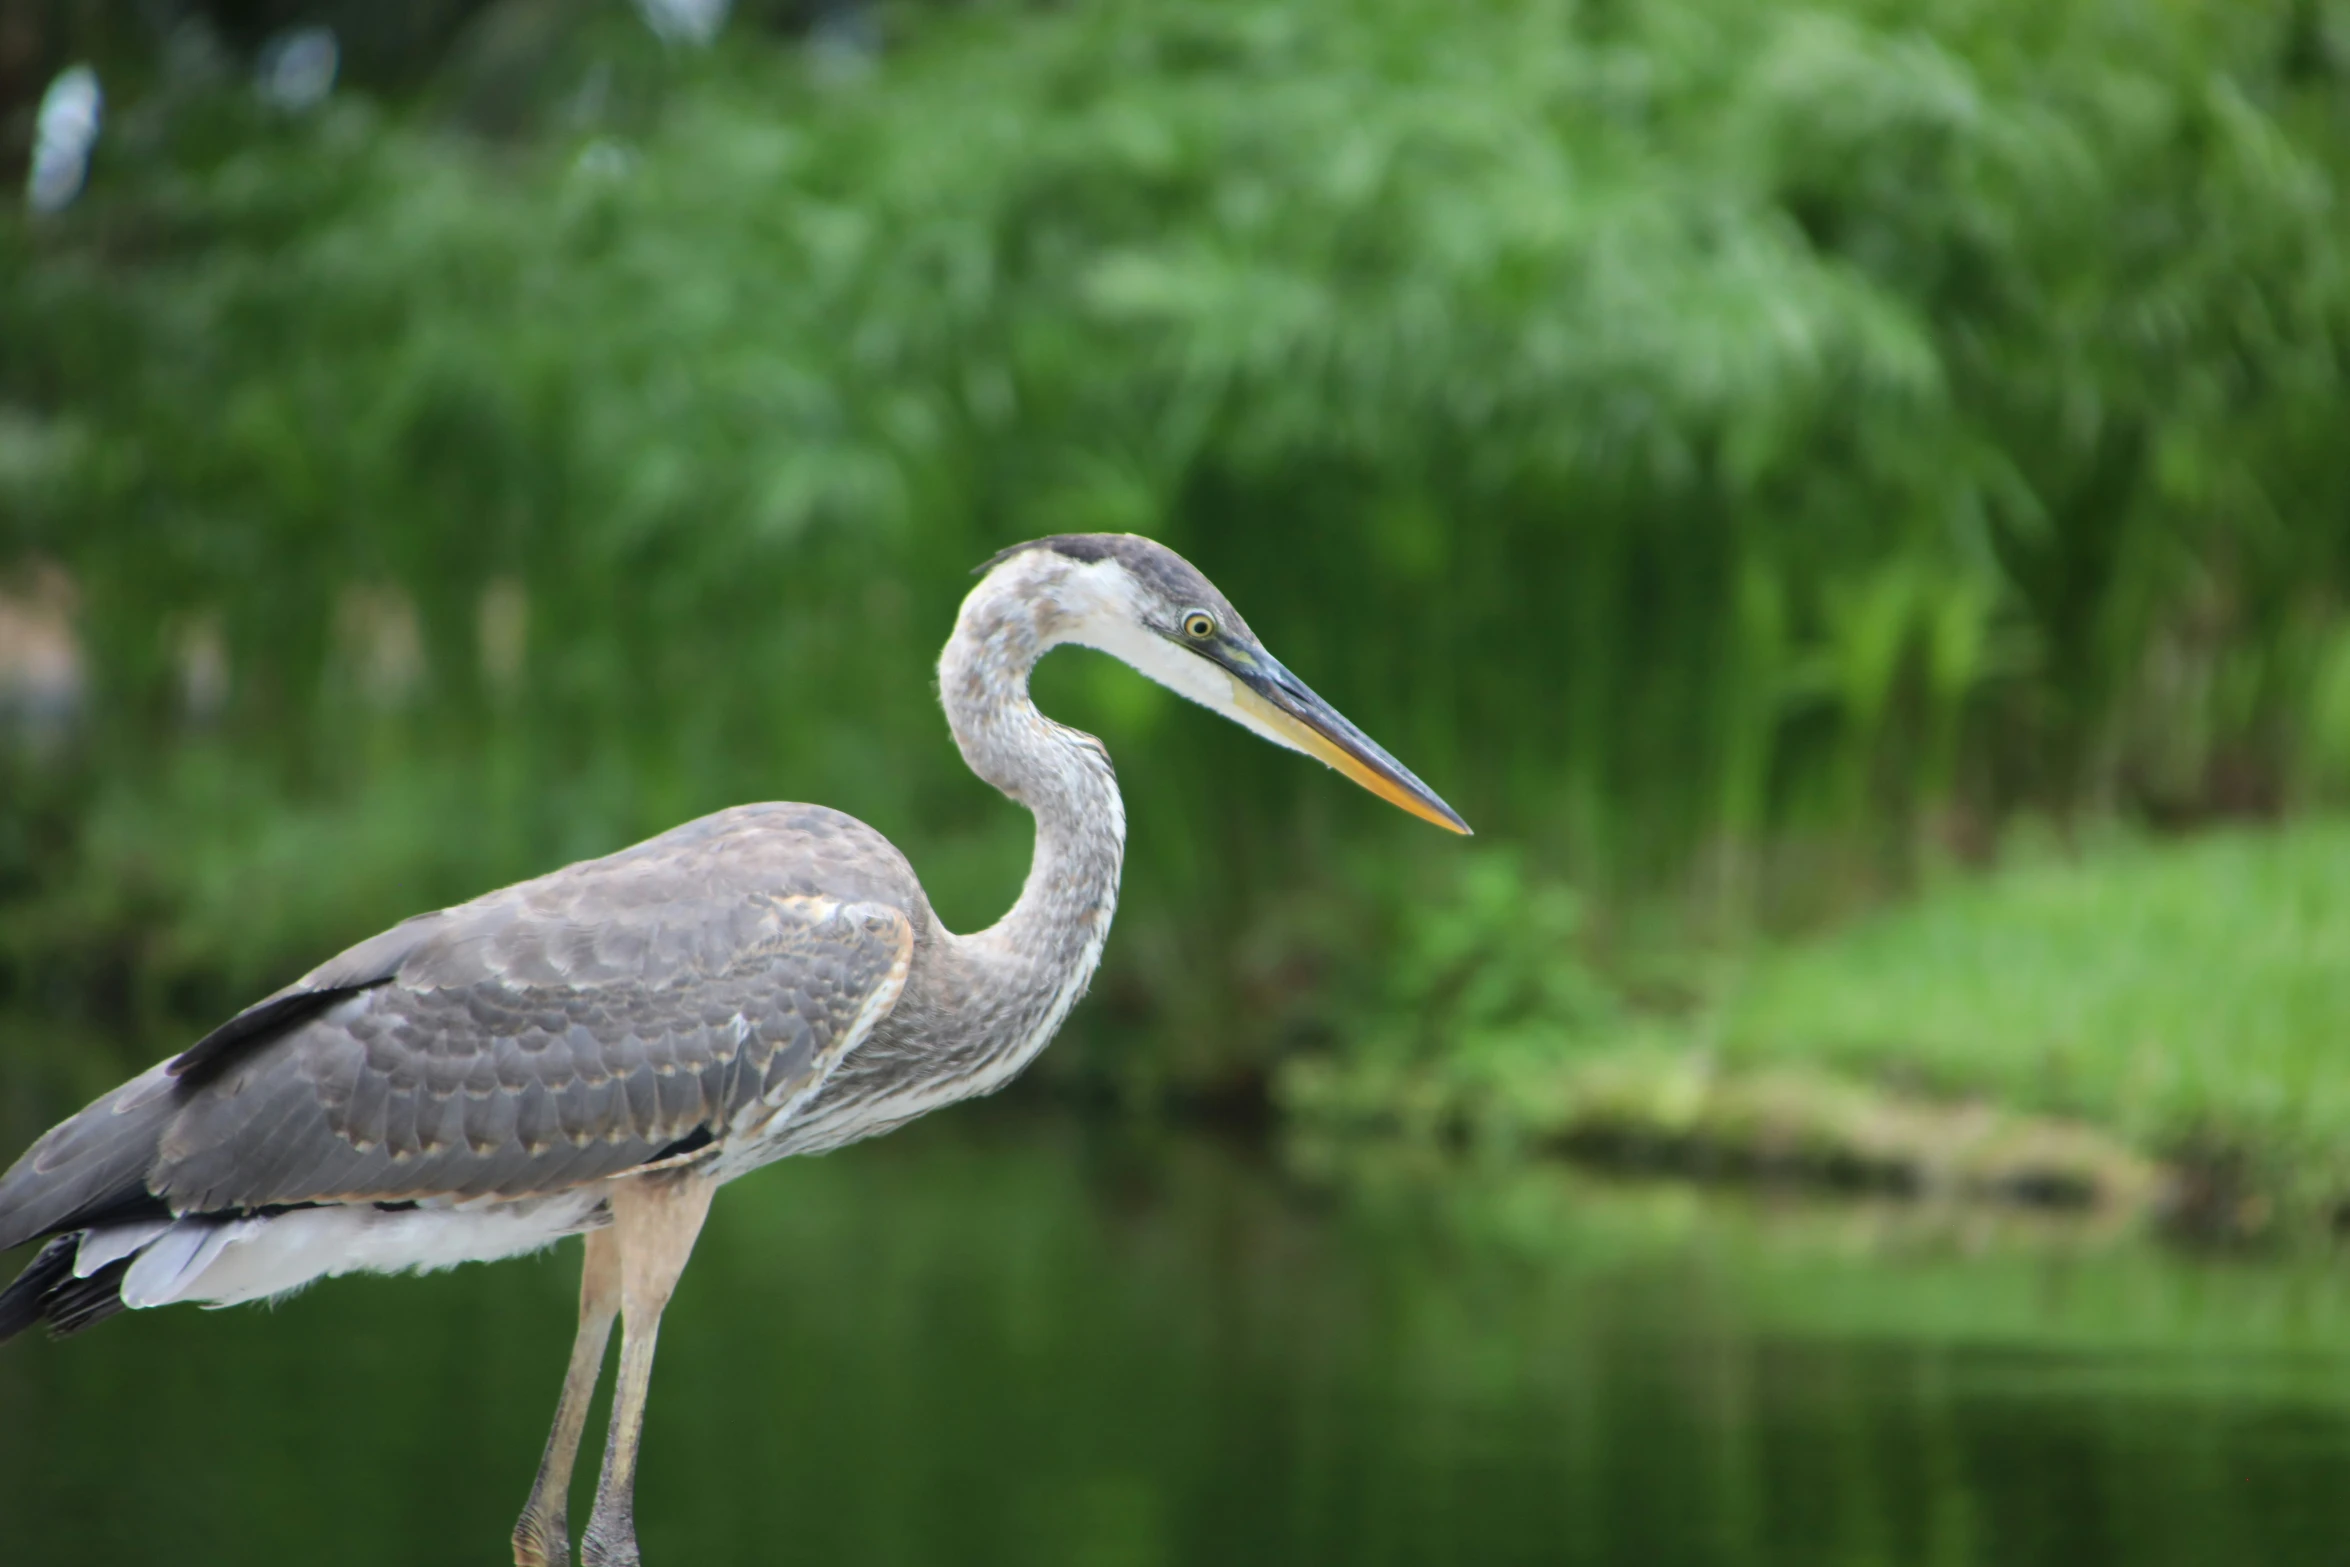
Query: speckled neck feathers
[(978, 1008), (1027, 606)]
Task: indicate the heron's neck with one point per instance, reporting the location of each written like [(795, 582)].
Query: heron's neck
[(1046, 947)]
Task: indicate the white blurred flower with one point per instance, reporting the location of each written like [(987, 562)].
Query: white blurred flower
[(685, 21), (63, 135), (297, 68)]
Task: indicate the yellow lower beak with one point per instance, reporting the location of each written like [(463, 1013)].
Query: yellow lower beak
[(1317, 729)]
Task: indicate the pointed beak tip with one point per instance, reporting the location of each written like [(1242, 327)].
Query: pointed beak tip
[(1286, 711), (1417, 799)]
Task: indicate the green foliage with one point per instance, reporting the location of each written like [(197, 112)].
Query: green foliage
[(2044, 1030), (1484, 1018), (1483, 982), (1678, 430), (1477, 970), (2190, 996)]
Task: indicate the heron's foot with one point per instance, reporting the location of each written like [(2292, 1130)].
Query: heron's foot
[(542, 1540), (610, 1539)]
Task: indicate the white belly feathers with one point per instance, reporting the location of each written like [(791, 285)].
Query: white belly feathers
[(223, 1262)]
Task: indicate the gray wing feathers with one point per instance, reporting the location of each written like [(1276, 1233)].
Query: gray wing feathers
[(508, 1086), (551, 1033), (83, 1165)]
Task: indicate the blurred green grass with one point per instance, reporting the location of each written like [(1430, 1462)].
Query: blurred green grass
[(2193, 996), (2043, 1030)]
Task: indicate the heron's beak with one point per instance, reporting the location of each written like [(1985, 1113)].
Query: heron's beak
[(1280, 702)]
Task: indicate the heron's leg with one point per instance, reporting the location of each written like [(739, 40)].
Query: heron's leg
[(542, 1538), (654, 1221)]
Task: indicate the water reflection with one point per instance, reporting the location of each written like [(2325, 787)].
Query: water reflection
[(999, 1338)]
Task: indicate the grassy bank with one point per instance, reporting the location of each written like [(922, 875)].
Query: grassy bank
[(2146, 1023)]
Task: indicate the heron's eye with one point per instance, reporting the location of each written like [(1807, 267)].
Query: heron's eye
[(1199, 625)]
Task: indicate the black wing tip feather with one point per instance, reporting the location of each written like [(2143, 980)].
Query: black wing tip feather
[(83, 1303), (47, 1291), (256, 1026), (24, 1302)]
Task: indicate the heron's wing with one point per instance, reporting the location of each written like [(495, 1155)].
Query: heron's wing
[(552, 1033), (513, 1083)]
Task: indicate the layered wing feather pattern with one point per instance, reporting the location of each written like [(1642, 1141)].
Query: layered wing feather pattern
[(529, 1079), (558, 1031)]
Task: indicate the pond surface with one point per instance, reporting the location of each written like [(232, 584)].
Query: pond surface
[(1009, 1338)]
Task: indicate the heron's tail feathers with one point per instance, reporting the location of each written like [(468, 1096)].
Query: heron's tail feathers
[(48, 1291), (89, 1167), (23, 1303)]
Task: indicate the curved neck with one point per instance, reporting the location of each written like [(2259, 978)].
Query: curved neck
[(1052, 937)]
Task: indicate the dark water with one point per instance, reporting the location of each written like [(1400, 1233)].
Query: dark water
[(999, 1338)]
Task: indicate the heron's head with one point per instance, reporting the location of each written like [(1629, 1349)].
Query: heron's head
[(1147, 606)]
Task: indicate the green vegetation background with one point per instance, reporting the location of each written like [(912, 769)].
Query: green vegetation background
[(1745, 456)]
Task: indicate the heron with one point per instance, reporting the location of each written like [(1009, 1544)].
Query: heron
[(596, 1051)]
